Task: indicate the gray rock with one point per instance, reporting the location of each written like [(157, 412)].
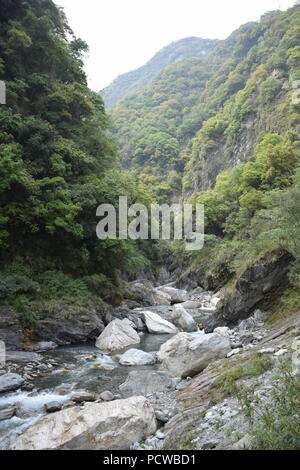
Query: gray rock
[(136, 357), (63, 329), (7, 413), (160, 435), (119, 334), (183, 320), (157, 325), (10, 382), (267, 273), (145, 382), (107, 396), (184, 355), (53, 406), (81, 397), (233, 352), (223, 331), (247, 338), (162, 416), (23, 357), (94, 426), (261, 316), (176, 295), (144, 292)]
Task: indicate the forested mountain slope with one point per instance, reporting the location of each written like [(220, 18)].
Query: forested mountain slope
[(201, 116), (224, 131), (136, 80), (57, 163)]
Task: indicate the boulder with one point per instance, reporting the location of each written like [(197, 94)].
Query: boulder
[(184, 355), (183, 319), (157, 325), (10, 382), (53, 406), (107, 396), (136, 357), (7, 413), (176, 295), (118, 334), (144, 292), (145, 382), (62, 326), (94, 426)]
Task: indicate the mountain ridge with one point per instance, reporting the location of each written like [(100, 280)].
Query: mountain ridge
[(137, 79)]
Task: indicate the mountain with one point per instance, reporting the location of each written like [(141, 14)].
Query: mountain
[(201, 116), (136, 80)]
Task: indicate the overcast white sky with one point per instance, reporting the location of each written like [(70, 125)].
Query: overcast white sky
[(124, 34)]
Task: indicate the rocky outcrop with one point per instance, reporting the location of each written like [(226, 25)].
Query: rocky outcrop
[(185, 355), (94, 426), (64, 326), (119, 334), (10, 382), (10, 329), (157, 325), (254, 285), (145, 382), (183, 320), (136, 357)]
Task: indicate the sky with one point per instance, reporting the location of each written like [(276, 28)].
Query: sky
[(124, 34)]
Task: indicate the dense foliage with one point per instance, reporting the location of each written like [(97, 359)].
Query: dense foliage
[(57, 162)]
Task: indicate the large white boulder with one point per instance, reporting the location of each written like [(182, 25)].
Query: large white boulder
[(183, 319), (157, 325), (112, 425), (118, 334), (136, 357), (184, 355)]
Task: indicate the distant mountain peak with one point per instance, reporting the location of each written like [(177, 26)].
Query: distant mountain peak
[(131, 82)]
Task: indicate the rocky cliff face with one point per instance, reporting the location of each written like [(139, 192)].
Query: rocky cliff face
[(258, 281)]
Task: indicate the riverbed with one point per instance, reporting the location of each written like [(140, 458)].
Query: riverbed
[(80, 367)]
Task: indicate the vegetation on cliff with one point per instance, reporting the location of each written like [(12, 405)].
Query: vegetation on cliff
[(57, 162)]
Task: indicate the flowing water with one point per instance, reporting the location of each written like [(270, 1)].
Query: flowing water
[(80, 368)]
